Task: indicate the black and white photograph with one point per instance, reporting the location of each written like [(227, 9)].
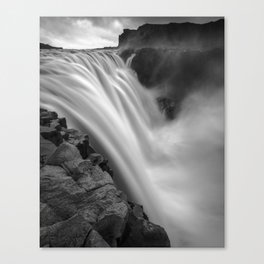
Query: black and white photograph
[(132, 132)]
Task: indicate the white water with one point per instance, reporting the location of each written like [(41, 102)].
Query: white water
[(174, 169)]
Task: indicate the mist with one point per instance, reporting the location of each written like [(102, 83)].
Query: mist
[(190, 175)]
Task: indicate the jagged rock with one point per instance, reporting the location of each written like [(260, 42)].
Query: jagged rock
[(47, 116), (111, 223), (72, 232), (95, 240), (141, 233), (80, 140), (105, 167), (48, 215), (96, 158), (83, 146), (55, 124), (100, 206), (47, 148), (68, 156), (95, 179), (51, 134), (80, 205), (61, 192), (63, 122)]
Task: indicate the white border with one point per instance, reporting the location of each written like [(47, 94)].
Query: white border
[(19, 203)]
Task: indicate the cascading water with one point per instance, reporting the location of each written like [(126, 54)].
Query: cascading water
[(157, 161)]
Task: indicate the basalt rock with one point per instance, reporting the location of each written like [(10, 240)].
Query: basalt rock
[(73, 232), (80, 204), (51, 134), (139, 232)]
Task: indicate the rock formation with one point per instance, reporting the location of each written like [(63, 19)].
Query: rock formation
[(176, 59), (80, 206)]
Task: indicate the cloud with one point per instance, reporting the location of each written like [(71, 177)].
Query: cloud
[(97, 32)]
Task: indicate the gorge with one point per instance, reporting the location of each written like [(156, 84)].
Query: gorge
[(154, 107)]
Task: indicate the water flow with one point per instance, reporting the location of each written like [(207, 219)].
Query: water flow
[(163, 166)]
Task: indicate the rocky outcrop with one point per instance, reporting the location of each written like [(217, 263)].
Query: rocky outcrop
[(80, 205), (47, 46), (180, 35)]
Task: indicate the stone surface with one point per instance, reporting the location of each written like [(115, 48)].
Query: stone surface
[(51, 134), (95, 240), (139, 232), (72, 232), (48, 216), (47, 148)]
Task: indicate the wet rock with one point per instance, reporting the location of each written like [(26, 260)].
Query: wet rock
[(46, 117), (83, 146), (63, 122), (105, 167), (55, 124)]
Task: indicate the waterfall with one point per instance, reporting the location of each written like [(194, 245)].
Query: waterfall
[(130, 59), (157, 161)]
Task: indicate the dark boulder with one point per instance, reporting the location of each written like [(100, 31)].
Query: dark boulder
[(51, 134), (63, 122), (139, 232)]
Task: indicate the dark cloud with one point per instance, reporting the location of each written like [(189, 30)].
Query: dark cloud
[(97, 32)]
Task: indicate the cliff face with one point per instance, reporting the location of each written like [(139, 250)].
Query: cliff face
[(80, 206), (180, 35), (176, 59)]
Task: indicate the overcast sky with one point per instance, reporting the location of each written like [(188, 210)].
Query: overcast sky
[(98, 32)]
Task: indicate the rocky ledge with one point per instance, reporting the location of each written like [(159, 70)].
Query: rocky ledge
[(80, 206)]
